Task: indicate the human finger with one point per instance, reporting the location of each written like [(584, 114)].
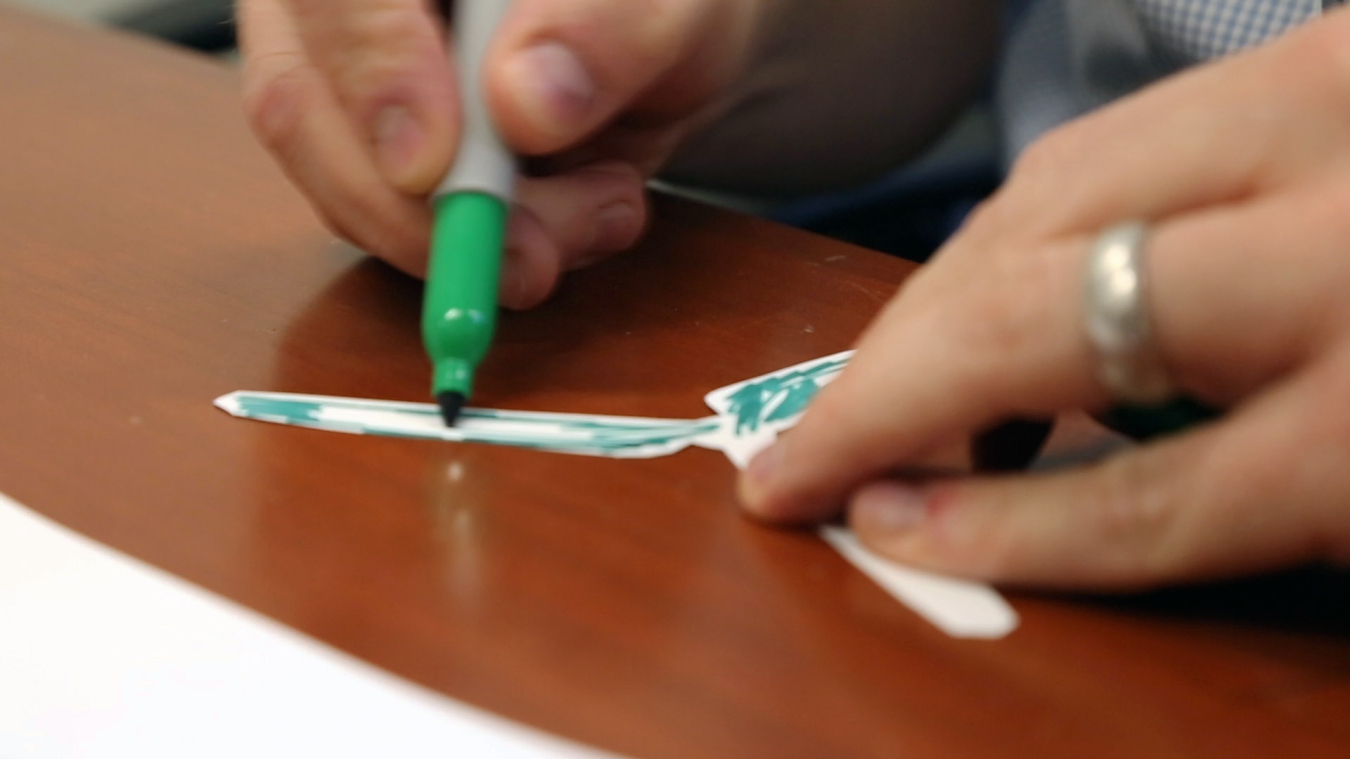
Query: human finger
[(999, 333), (296, 116), (386, 64), (531, 262), (559, 71), (568, 221), (1262, 489), (590, 212), (1211, 135)]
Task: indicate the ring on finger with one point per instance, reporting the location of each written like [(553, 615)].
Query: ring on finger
[(1119, 325)]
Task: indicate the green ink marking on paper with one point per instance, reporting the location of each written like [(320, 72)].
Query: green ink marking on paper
[(747, 404), (777, 397), (575, 433), (288, 409), (748, 411), (795, 400)]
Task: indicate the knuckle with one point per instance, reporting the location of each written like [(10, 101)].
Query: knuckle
[(384, 28), (379, 44), (1045, 155), (389, 24), (276, 91), (986, 548), (987, 216), (1135, 516), (1007, 315)]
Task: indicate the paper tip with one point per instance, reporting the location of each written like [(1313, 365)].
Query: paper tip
[(229, 403), (960, 608)]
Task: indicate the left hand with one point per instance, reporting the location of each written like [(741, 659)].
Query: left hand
[(1243, 168)]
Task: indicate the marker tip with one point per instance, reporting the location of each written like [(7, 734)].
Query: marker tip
[(451, 405)]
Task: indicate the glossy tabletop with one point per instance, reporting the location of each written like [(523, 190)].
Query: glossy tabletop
[(152, 258)]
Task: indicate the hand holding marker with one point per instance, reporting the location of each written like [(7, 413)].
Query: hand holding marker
[(471, 206)]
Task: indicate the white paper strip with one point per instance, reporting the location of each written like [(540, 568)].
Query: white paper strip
[(960, 608), (105, 657), (583, 434)]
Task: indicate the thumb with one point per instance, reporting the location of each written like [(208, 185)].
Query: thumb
[(559, 71)]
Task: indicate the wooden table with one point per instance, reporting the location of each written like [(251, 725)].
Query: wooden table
[(152, 258)]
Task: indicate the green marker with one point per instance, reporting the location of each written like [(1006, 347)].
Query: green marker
[(459, 313)]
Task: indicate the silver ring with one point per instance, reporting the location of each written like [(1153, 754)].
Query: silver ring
[(1118, 324)]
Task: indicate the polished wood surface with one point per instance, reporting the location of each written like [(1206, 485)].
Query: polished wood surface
[(152, 258)]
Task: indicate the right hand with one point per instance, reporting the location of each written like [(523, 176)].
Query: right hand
[(357, 101)]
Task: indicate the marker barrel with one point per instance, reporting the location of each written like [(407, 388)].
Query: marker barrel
[(459, 312)]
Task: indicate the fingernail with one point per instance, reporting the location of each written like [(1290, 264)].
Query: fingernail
[(552, 85), (889, 509), (754, 482), (615, 227), (399, 140)]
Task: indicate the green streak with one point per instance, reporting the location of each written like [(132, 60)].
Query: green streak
[(597, 435), (291, 411), (778, 397)]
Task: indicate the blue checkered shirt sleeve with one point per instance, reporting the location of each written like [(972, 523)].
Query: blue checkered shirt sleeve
[(1197, 30), (1066, 57)]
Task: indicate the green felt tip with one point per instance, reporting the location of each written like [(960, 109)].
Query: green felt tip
[(459, 311)]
